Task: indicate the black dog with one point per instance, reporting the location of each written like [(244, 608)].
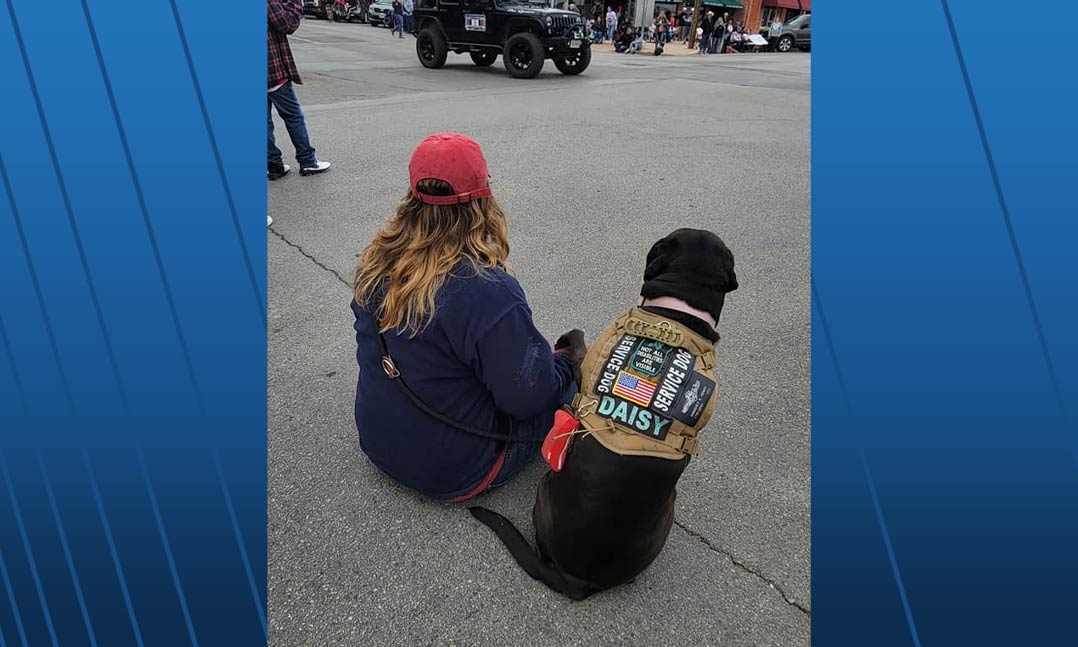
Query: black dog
[(605, 517)]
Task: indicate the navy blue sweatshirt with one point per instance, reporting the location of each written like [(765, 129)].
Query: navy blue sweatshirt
[(481, 352)]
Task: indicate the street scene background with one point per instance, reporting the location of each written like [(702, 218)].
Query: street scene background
[(591, 170)]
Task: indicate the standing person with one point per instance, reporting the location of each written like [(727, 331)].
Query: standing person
[(707, 25), (440, 322), (660, 30), (408, 7), (611, 22), (727, 35), (284, 19), (398, 19), (773, 33)]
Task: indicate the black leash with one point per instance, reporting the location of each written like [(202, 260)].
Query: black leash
[(394, 374)]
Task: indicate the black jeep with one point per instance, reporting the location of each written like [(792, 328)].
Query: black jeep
[(524, 33)]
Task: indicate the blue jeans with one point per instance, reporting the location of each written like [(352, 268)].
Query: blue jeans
[(519, 455), (409, 23), (610, 32), (398, 24), (284, 98)]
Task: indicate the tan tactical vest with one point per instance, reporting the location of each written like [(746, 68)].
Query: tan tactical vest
[(648, 387)]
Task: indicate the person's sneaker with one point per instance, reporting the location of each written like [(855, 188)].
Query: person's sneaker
[(269, 220), (316, 168), (278, 172)]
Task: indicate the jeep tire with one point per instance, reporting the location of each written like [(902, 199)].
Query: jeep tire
[(786, 43), (574, 64), (483, 57), (431, 48), (523, 56)]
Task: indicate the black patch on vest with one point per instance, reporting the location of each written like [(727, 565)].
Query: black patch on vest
[(695, 394), (671, 383)]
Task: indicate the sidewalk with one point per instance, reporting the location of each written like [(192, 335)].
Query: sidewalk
[(671, 49)]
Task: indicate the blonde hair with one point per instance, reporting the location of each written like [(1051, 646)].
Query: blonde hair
[(405, 265)]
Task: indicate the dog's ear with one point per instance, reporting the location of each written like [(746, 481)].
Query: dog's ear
[(659, 257), (726, 265)]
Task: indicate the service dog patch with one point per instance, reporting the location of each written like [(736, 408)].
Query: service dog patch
[(645, 384)]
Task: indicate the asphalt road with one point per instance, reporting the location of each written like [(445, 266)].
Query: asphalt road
[(591, 170)]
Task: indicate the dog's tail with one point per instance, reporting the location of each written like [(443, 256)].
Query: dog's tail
[(526, 556)]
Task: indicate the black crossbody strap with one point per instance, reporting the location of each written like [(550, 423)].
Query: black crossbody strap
[(394, 374)]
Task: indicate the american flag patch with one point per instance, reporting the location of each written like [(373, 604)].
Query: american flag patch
[(634, 389)]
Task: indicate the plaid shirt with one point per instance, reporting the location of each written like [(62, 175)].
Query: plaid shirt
[(284, 18)]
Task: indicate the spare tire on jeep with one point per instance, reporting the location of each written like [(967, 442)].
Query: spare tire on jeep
[(523, 55)]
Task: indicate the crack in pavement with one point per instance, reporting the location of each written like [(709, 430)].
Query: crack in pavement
[(702, 539), (772, 583), (307, 255)]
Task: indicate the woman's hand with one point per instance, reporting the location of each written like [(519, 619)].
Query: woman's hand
[(574, 344)]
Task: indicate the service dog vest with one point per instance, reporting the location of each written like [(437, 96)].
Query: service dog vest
[(647, 386)]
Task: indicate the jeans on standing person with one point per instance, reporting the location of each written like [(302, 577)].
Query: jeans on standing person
[(284, 98), (409, 23), (398, 24), (717, 44), (610, 32), (703, 43)]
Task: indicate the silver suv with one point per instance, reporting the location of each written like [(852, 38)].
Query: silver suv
[(796, 33)]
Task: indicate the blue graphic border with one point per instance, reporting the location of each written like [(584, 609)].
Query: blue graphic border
[(132, 329), (945, 490)]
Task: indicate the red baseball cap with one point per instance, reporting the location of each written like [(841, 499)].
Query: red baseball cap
[(454, 159)]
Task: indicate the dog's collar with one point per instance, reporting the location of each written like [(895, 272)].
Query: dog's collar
[(679, 305)]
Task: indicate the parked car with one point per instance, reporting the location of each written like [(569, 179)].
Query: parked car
[(331, 10), (380, 13), (796, 33)]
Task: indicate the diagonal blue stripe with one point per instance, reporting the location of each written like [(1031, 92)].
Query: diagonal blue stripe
[(11, 599), (1006, 212), (142, 205), (830, 343), (112, 548), (220, 163), (239, 542), (168, 550), (890, 549), (26, 547), (871, 484), (67, 551), (14, 373), (67, 206), (37, 286)]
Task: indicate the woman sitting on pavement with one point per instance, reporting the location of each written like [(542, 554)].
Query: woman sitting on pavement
[(445, 337)]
